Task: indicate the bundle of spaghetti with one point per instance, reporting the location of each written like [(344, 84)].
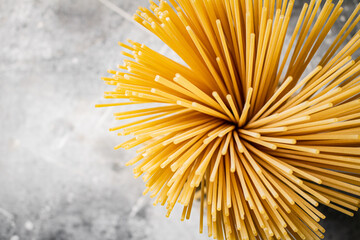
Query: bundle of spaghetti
[(244, 125)]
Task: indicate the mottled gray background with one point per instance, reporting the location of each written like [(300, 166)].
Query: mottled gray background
[(60, 178)]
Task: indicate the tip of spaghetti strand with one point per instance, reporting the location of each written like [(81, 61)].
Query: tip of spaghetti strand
[(146, 191), (118, 146), (106, 79), (329, 105), (319, 181), (318, 68), (130, 41), (111, 71), (207, 140), (173, 168), (273, 146)]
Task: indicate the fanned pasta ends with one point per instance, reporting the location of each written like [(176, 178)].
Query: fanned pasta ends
[(244, 125)]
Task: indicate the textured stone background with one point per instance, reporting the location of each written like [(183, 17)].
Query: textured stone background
[(60, 178)]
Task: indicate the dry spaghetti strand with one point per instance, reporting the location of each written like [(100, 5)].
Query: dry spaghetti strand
[(238, 126)]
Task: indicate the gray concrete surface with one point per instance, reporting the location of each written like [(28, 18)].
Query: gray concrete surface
[(60, 178)]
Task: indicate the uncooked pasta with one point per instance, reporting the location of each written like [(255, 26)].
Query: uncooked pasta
[(244, 125)]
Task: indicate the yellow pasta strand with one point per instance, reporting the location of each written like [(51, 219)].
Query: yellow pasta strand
[(239, 126)]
